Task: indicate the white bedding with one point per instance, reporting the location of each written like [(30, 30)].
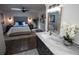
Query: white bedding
[(15, 29)]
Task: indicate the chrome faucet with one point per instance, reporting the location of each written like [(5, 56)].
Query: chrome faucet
[(50, 33)]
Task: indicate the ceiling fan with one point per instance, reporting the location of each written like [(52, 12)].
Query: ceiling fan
[(20, 9)]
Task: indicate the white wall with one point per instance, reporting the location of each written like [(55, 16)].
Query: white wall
[(46, 20), (70, 16), (70, 13), (2, 43), (40, 24)]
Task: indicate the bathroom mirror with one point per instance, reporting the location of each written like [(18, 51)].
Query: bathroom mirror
[(54, 18)]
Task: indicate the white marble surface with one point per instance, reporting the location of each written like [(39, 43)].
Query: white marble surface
[(56, 46), (76, 39)]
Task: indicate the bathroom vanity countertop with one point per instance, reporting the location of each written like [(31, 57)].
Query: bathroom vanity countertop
[(55, 44)]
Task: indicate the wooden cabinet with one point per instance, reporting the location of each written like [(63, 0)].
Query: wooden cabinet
[(42, 48)]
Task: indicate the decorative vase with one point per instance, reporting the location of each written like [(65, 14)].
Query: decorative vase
[(67, 43), (67, 40)]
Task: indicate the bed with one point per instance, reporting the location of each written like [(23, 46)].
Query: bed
[(19, 29)]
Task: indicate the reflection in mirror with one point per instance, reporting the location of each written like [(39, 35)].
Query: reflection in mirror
[(54, 18)]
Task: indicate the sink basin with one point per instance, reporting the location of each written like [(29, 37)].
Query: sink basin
[(53, 37)]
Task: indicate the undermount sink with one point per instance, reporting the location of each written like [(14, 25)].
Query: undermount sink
[(52, 37)]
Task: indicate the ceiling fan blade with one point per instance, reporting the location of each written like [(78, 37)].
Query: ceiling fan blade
[(27, 10), (20, 9), (15, 9)]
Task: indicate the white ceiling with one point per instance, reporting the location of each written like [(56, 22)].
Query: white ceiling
[(34, 7)]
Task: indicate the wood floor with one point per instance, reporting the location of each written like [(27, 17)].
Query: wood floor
[(20, 45)]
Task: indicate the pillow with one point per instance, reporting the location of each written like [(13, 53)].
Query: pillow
[(20, 23), (16, 24), (24, 23)]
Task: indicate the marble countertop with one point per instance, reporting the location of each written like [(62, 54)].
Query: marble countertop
[(56, 45)]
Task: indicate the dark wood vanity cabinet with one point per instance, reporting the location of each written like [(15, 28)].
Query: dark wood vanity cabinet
[(42, 49)]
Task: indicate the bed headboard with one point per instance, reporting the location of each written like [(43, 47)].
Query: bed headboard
[(20, 19)]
